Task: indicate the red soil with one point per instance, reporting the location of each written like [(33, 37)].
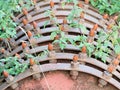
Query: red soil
[(59, 80)]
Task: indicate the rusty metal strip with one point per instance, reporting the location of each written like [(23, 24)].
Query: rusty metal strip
[(45, 39), (41, 3), (61, 66)]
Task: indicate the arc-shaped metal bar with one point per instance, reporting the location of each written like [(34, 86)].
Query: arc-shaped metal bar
[(41, 4), (44, 39), (61, 66), (69, 56)]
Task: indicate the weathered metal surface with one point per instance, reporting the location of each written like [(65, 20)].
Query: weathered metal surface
[(69, 56), (61, 66), (102, 83), (91, 17), (45, 39)]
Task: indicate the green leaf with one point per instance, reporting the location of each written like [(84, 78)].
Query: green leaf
[(83, 28), (90, 49), (118, 39), (25, 66), (55, 41), (62, 34), (71, 41), (63, 5), (29, 56), (52, 36), (80, 45), (46, 22), (117, 49), (62, 46)]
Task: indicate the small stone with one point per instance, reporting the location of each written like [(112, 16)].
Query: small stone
[(14, 86), (29, 17), (82, 56), (75, 65), (74, 74), (9, 79), (102, 83), (74, 77), (28, 27), (35, 68), (37, 76), (107, 75), (51, 54)]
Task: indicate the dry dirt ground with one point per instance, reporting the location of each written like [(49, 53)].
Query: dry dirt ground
[(61, 80)]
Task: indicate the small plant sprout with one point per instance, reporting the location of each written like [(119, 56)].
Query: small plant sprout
[(24, 10), (34, 24), (105, 16), (50, 47), (92, 33), (51, 3), (5, 74), (95, 27), (29, 33), (24, 45), (25, 22), (75, 58), (32, 62), (84, 49)]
